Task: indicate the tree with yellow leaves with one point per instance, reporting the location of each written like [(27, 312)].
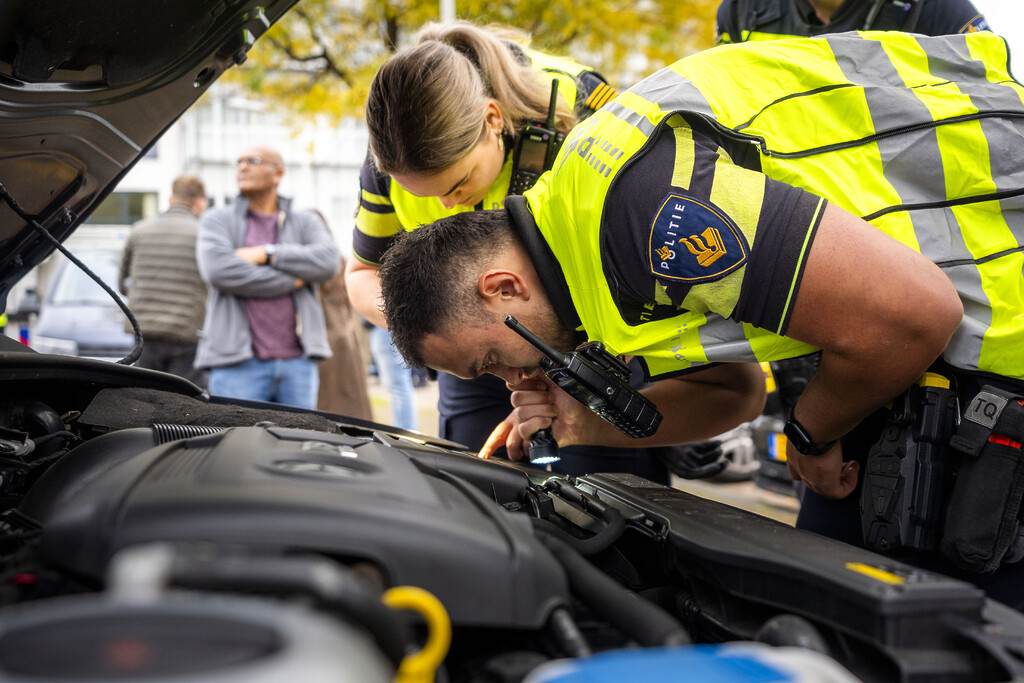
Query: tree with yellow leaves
[(319, 59)]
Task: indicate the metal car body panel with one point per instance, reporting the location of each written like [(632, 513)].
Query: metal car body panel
[(86, 89)]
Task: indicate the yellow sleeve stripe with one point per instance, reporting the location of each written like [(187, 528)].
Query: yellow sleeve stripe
[(682, 169), (374, 198), (602, 95), (377, 225)]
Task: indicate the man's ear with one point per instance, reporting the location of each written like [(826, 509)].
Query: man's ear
[(501, 285)]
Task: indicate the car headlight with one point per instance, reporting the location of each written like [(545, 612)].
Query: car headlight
[(52, 345)]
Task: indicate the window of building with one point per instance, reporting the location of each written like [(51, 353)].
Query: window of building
[(125, 208)]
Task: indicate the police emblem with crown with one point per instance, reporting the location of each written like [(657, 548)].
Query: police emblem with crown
[(694, 242)]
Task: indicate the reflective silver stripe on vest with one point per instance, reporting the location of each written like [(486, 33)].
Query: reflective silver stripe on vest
[(724, 341), (911, 163), (681, 92), (671, 91), (951, 59), (630, 117), (1007, 164)]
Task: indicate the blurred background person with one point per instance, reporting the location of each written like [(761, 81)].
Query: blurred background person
[(742, 20), (161, 278), (264, 262), (343, 386), (396, 378)]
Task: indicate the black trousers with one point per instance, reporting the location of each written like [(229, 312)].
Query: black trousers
[(175, 357)]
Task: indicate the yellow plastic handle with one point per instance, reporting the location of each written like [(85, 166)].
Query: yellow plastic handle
[(421, 666)]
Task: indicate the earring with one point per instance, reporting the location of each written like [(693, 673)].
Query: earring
[(501, 142)]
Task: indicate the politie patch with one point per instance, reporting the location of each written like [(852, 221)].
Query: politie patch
[(693, 242)]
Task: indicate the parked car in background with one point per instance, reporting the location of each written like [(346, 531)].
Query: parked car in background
[(78, 318)]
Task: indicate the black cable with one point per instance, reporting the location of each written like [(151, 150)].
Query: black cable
[(584, 546), (641, 620), (137, 349)]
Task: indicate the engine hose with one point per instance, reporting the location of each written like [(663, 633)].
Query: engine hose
[(564, 629), (584, 546), (643, 621), (615, 523), (165, 432)]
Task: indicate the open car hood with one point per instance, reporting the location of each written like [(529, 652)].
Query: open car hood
[(87, 88)]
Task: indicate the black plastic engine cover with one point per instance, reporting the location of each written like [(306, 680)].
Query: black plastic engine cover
[(929, 625), (274, 488)]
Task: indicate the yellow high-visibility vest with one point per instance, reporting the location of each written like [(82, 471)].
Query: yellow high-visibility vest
[(922, 137)]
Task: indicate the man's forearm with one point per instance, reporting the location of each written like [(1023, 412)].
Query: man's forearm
[(308, 262), (880, 312), (694, 408), (705, 404)]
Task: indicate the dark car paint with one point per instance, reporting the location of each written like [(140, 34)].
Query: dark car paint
[(80, 107)]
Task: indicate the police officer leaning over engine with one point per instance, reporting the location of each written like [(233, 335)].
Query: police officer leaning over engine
[(856, 196)]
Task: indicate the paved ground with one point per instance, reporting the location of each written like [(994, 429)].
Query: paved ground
[(745, 494)]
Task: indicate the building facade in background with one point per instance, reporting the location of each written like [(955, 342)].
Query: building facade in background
[(322, 161), (322, 172)]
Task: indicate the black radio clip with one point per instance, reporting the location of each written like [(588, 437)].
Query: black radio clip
[(598, 380), (536, 147)]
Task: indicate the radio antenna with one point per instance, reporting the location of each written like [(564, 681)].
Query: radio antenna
[(553, 104)]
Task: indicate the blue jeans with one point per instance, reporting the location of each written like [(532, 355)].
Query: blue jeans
[(293, 382), (396, 377)]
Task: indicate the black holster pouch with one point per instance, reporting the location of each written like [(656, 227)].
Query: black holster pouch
[(983, 529), (909, 472)]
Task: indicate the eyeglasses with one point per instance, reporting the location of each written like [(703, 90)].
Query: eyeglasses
[(253, 161)]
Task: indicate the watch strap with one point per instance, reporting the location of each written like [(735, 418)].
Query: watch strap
[(801, 439)]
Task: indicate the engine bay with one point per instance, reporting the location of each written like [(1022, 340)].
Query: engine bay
[(158, 533)]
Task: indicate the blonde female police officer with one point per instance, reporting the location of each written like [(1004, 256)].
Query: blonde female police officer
[(443, 117)]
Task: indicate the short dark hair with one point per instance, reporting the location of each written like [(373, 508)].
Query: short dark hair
[(429, 276), (187, 188)]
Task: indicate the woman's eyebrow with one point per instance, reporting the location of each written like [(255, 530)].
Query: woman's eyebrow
[(456, 185)]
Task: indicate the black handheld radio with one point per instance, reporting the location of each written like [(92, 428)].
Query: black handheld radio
[(536, 149), (598, 380)]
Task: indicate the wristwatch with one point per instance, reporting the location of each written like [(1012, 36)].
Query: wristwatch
[(801, 440), (270, 250)]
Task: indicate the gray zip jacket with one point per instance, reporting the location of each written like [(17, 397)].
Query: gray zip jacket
[(306, 251)]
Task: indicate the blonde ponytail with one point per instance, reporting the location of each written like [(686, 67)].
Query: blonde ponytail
[(425, 110)]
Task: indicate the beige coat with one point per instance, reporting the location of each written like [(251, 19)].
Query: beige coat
[(343, 376)]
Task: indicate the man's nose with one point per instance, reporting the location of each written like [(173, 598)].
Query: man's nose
[(449, 201), (516, 375)]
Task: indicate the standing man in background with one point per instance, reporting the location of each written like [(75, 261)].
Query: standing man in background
[(161, 278), (264, 263)]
